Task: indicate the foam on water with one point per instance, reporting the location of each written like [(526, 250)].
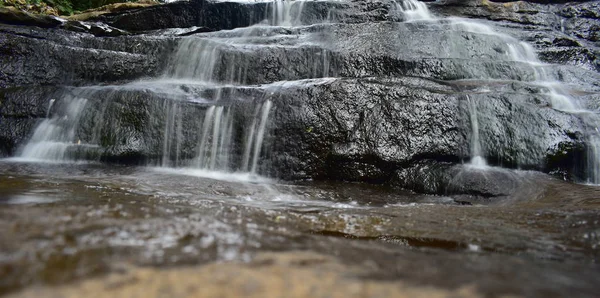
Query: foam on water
[(215, 175), (45, 161)]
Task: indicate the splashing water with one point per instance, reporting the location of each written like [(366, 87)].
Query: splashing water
[(286, 12), (413, 10), (53, 138)]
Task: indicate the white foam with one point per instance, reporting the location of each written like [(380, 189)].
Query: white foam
[(45, 161), (28, 199), (215, 175)]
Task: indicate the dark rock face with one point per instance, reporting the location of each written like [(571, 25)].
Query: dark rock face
[(558, 31), (379, 126), (13, 16), (183, 14), (20, 109), (31, 56), (359, 96)]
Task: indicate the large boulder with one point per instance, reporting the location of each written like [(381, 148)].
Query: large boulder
[(32, 56), (366, 129)]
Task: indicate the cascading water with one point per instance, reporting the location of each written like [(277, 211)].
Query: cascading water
[(213, 63), (194, 68), (260, 134), (477, 159), (196, 63), (50, 104), (213, 148), (55, 136), (172, 134), (521, 52), (413, 10), (286, 12), (561, 100)]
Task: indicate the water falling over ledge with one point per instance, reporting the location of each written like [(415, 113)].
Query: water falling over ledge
[(204, 66), (55, 139), (477, 159), (413, 10), (522, 52)]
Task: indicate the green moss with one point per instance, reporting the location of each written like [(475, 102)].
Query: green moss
[(64, 7)]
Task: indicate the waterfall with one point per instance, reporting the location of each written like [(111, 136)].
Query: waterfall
[(593, 151), (213, 148), (560, 100), (522, 52), (210, 69), (477, 159), (413, 10), (172, 128), (202, 63), (55, 136), (194, 59), (260, 133), (50, 104), (286, 12)]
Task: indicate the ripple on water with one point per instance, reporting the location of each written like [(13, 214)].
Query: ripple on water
[(25, 199)]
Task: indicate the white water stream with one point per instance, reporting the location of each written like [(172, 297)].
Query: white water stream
[(522, 52), (54, 136)]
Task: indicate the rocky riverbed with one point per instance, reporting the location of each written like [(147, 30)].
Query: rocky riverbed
[(63, 224)]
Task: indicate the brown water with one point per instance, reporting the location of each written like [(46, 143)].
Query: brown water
[(72, 227)]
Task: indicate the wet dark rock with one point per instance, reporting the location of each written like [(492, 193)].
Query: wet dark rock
[(20, 109), (574, 56), (568, 161), (465, 183), (547, 26), (352, 130), (13, 16), (197, 30), (32, 56), (183, 14), (365, 130), (97, 29), (565, 42)]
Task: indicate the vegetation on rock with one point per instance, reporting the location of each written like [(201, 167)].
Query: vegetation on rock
[(62, 7)]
